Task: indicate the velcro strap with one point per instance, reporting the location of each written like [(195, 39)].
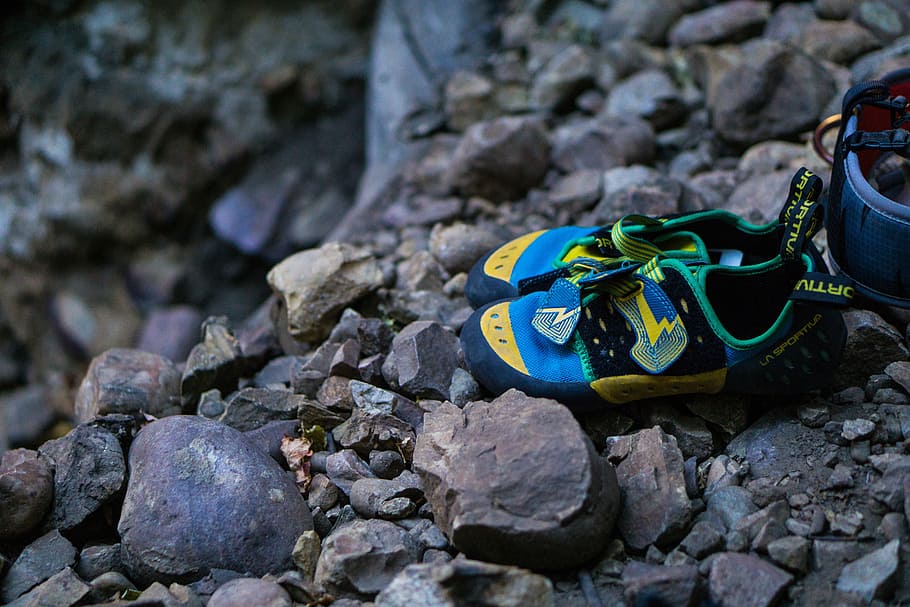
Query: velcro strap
[(802, 213), (818, 287), (892, 140)]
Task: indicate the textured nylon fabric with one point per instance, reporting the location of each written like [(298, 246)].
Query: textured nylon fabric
[(540, 254), (544, 359)]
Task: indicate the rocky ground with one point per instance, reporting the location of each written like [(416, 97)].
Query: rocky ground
[(229, 361)]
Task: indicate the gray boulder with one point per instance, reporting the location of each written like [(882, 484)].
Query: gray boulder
[(500, 492), (201, 496)]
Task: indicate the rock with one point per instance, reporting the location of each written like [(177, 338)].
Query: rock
[(97, 559), (170, 332), (729, 22), (636, 189), (872, 576), (25, 414), (730, 412), (315, 285), (26, 492), (645, 20), (364, 556), (468, 99), (745, 580), (651, 95), (676, 585), (184, 463), (872, 345), (364, 431), (65, 588), (175, 595), (458, 246), (890, 396), (564, 76), (770, 531), (580, 189), (211, 405), (702, 540), (791, 553), (837, 41), (649, 468), (129, 381), (782, 91), (250, 591), (277, 372), (306, 553), (39, 561), (485, 509), (814, 415), (423, 357), (899, 371), (500, 159), (841, 477), (602, 143), (386, 499), (252, 408), (723, 472), (346, 359), (857, 429), (215, 362), (344, 468), (884, 19), (464, 581), (731, 504), (386, 464), (267, 438), (751, 524), (322, 492), (109, 584), (893, 526), (692, 435), (89, 470), (335, 394)]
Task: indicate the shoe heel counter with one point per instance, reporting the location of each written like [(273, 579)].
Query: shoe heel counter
[(803, 359)]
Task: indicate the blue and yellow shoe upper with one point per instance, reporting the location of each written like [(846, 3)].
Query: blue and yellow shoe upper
[(533, 261)]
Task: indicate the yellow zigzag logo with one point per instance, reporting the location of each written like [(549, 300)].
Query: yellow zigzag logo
[(561, 314), (653, 327)]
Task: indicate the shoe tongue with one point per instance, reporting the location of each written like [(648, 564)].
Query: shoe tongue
[(679, 245), (686, 246)]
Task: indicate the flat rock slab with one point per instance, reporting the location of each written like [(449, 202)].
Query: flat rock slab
[(656, 507), (516, 481), (42, 559), (872, 576), (201, 496), (746, 581)]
